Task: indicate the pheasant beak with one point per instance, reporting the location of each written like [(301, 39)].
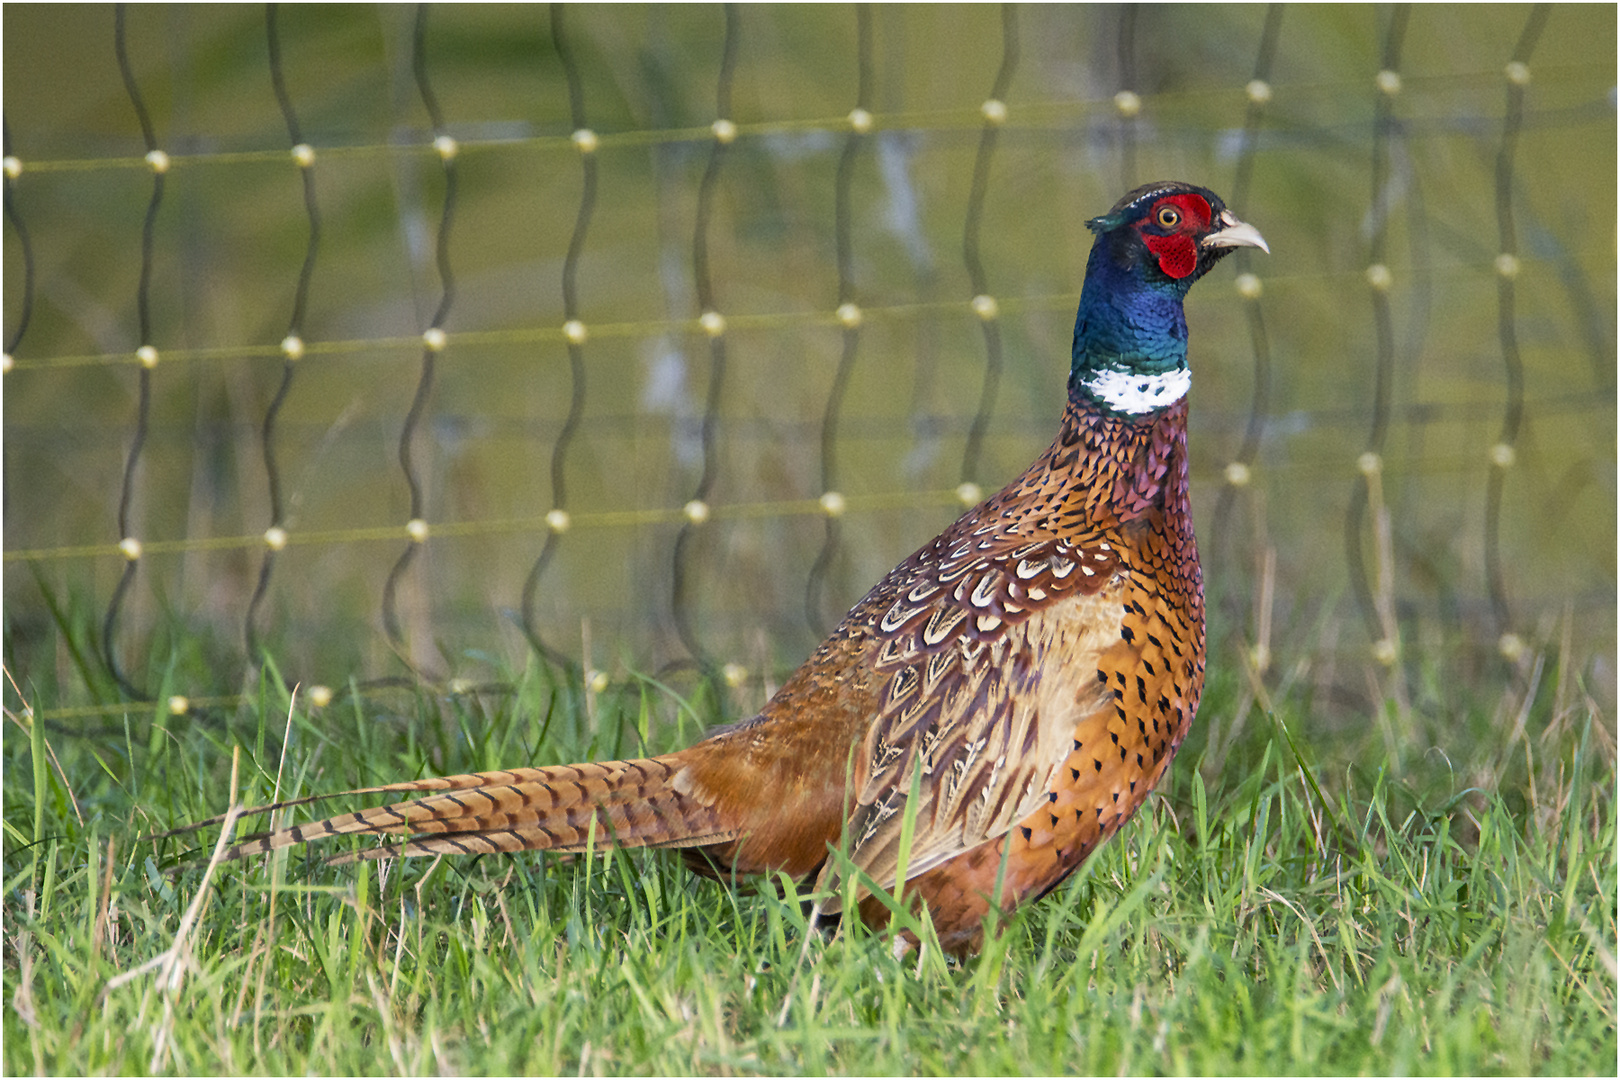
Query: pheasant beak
[(1235, 233)]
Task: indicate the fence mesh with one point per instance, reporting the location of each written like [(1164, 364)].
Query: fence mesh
[(419, 342)]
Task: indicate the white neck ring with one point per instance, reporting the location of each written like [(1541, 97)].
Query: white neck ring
[(1137, 394)]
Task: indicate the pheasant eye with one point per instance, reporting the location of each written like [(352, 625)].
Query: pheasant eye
[(1169, 217)]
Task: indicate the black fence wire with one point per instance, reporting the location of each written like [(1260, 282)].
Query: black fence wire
[(292, 346), (557, 519)]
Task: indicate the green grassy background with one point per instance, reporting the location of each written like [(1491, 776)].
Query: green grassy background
[(1355, 867)]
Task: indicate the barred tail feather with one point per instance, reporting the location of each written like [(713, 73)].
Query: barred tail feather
[(638, 803)]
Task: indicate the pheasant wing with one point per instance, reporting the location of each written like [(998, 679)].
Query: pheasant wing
[(984, 643)]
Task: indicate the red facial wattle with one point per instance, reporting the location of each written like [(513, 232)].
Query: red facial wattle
[(1177, 249), (1178, 254)]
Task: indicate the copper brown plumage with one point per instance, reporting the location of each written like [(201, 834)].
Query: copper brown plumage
[(1027, 675)]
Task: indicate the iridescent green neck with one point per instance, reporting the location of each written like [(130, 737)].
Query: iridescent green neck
[(1130, 337)]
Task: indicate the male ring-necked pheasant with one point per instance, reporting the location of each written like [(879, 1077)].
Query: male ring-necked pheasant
[(1029, 673)]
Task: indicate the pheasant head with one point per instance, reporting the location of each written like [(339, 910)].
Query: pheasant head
[(1130, 337)]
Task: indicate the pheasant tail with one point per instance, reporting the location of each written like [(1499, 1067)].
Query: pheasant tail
[(641, 803)]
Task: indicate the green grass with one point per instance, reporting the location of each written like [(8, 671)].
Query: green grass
[(1445, 912)]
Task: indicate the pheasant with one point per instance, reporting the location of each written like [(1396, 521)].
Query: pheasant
[(1011, 692)]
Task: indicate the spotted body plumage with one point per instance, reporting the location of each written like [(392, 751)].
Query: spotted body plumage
[(1015, 688)]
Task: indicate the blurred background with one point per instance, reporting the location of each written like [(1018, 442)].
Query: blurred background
[(1403, 419)]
